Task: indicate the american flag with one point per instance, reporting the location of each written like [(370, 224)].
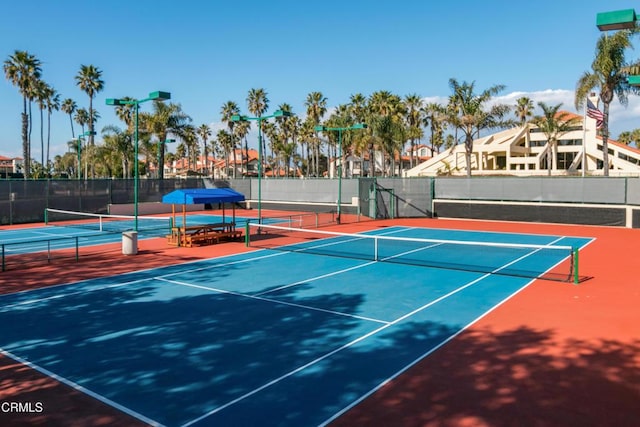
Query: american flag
[(594, 113)]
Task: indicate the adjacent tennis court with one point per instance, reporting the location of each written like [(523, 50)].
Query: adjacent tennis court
[(238, 340), (69, 230)]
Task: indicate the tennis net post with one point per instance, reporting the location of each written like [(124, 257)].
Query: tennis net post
[(576, 274)]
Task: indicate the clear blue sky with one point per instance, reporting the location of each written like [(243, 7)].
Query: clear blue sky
[(208, 52)]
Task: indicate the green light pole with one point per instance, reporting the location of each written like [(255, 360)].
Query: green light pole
[(339, 130), (153, 96), (240, 118), (166, 141), (79, 151)]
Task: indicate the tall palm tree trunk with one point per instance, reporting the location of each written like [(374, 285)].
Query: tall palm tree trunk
[(25, 141)]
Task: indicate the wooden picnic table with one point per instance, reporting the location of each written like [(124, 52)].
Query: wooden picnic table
[(203, 234)]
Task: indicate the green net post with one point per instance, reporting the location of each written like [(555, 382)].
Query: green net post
[(576, 276), (246, 234), (46, 217)]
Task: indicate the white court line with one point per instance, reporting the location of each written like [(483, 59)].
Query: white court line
[(353, 342), (68, 294), (270, 254), (323, 276), (275, 301), (443, 342), (114, 285), (81, 389)]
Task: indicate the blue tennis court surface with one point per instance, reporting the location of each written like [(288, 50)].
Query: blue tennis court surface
[(261, 338)]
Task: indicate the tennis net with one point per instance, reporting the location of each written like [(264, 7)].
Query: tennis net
[(550, 262), (106, 223), (301, 220)]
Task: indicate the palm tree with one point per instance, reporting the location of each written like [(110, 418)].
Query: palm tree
[(69, 107), (554, 124), (414, 114), (41, 93), (21, 69), (435, 116), (387, 114), (285, 130), (241, 130), (257, 103), (204, 132), (341, 118), (82, 118), (316, 105), (228, 110), (359, 111), (190, 139), (524, 109), (52, 104), (89, 81), (470, 116), (225, 140), (120, 144), (165, 118), (609, 72), (627, 137)]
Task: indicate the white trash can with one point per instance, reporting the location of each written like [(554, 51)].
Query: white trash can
[(130, 242)]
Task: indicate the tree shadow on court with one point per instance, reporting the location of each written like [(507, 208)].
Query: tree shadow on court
[(170, 355), (523, 377), (173, 356)]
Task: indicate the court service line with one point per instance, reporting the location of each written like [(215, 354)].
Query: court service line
[(353, 342), (80, 388), (300, 282), (269, 255), (273, 301), (329, 354), (303, 281), (323, 276), (443, 342), (116, 285)]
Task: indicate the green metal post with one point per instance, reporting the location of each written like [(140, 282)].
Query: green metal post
[(339, 175), (135, 168), (259, 170), (576, 276), (79, 149), (246, 234)]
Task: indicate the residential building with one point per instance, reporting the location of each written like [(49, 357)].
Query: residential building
[(523, 151)]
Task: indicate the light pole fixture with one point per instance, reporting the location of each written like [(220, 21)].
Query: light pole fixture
[(153, 96), (619, 20), (339, 130), (616, 20), (79, 151), (241, 118)]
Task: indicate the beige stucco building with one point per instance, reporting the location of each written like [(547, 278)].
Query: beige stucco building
[(523, 150)]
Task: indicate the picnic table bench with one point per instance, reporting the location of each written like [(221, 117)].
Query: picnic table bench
[(203, 234)]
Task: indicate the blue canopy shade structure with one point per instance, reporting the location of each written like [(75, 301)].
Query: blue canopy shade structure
[(198, 196)]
